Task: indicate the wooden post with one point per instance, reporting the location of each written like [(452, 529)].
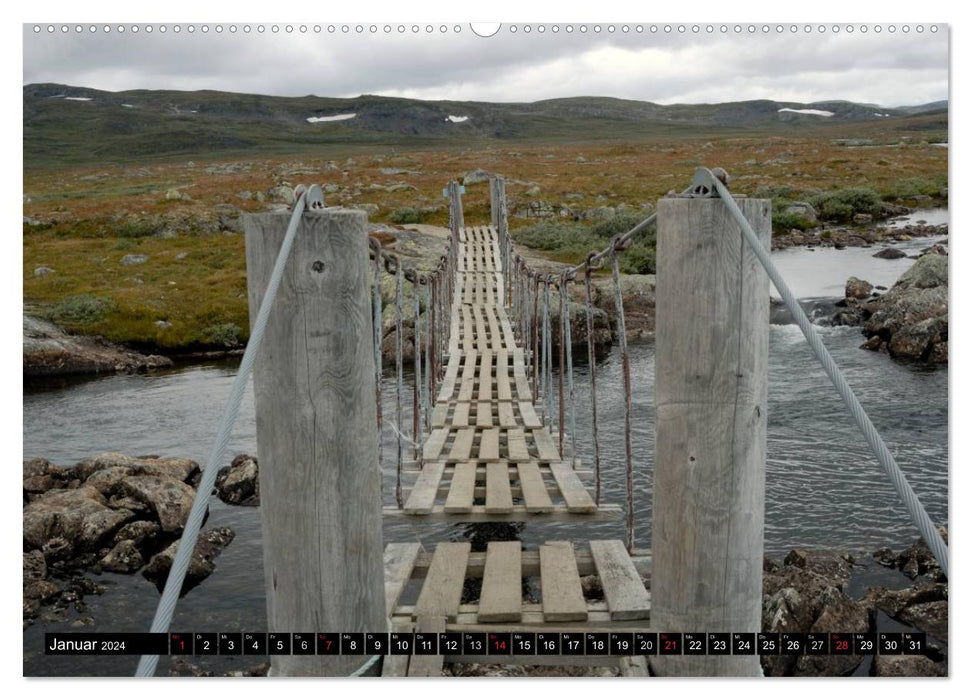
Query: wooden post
[(316, 427), (494, 202), (456, 220), (712, 321)]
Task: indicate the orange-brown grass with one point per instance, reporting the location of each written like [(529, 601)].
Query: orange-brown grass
[(92, 216)]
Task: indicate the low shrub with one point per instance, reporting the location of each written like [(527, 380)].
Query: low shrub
[(81, 310), (841, 205)]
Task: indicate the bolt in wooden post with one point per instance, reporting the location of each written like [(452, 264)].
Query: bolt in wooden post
[(712, 321), (316, 427)]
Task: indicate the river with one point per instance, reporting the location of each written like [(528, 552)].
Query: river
[(824, 489)]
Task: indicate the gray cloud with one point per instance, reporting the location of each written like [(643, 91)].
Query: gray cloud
[(888, 69)]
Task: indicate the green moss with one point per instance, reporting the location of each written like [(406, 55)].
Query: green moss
[(81, 310)]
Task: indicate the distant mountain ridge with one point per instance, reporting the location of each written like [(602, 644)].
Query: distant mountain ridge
[(77, 123)]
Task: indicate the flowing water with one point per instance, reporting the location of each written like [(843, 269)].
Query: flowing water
[(823, 487)]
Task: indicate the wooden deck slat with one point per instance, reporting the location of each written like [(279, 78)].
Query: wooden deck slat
[(498, 491), (483, 416), (460, 416), (544, 444), (534, 491), (462, 447), (489, 445), (577, 498), (502, 587), (516, 445), (442, 591), (462, 492), (528, 412), (506, 417), (562, 595), (427, 665), (434, 444), (399, 561), (625, 593), (422, 496), (439, 415)]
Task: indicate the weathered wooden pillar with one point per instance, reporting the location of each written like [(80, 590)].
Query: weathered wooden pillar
[(709, 476), (500, 222), (456, 220), (316, 429)]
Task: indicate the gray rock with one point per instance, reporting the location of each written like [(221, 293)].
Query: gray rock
[(280, 193), (138, 532), (890, 254), (169, 499), (331, 188), (906, 667), (79, 517), (803, 209), (134, 259), (42, 271), (857, 288), (473, 177), (173, 194), (41, 591), (239, 484), (208, 547), (163, 324), (180, 469), (35, 568), (124, 558)]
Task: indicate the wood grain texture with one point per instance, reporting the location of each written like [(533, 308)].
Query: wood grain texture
[(442, 591), (317, 433), (562, 595), (502, 585), (709, 479), (498, 492), (625, 593)]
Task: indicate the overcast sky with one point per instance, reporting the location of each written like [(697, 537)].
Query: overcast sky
[(891, 69)]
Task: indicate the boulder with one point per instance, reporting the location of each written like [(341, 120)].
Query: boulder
[(41, 591), (906, 667), (281, 194), (179, 469), (134, 259), (79, 519), (914, 342), (239, 483), (35, 568), (804, 210), (857, 288), (138, 532), (124, 558), (890, 254), (208, 547), (169, 499), (473, 177)]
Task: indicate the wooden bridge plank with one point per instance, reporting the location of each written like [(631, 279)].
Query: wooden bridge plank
[(483, 415), (516, 445), (498, 491), (399, 560), (577, 498), (502, 585), (528, 412), (485, 377), (434, 444), (462, 447), (506, 417), (562, 595), (626, 596), (426, 665), (544, 444), (460, 416), (442, 592), (489, 445), (462, 490), (422, 496), (534, 491), (439, 414)]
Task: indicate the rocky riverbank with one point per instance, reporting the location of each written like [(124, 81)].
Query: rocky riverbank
[(119, 514), (910, 320), (49, 351)]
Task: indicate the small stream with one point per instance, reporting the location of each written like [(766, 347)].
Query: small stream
[(824, 489)]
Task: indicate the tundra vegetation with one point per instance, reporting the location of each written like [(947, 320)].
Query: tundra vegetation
[(148, 250)]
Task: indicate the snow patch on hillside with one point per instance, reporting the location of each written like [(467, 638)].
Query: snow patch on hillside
[(332, 118)]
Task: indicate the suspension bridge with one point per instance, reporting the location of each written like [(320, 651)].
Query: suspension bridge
[(485, 445)]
